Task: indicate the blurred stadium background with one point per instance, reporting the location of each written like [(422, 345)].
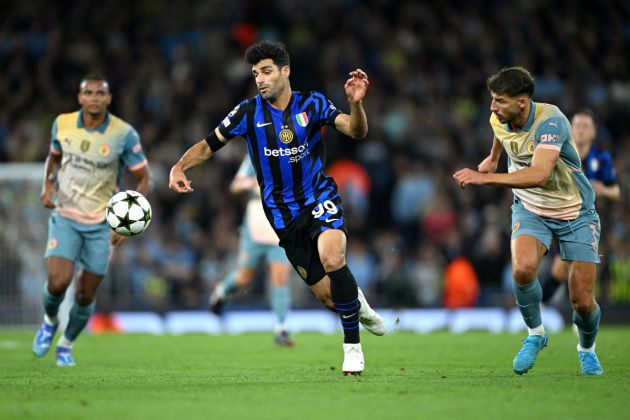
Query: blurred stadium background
[(176, 70)]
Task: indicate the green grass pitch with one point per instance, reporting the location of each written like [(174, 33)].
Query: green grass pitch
[(407, 376)]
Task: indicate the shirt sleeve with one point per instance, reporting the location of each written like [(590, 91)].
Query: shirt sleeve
[(55, 145), (327, 112), (552, 133), (132, 155), (235, 124)]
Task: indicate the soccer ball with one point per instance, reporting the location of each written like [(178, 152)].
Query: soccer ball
[(128, 213)]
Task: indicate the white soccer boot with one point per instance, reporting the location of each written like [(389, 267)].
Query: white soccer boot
[(368, 317), (353, 362)]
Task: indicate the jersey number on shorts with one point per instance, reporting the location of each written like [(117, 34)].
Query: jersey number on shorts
[(325, 207)]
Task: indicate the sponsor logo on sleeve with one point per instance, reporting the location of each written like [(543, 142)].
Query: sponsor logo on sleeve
[(226, 121), (234, 111), (549, 138)]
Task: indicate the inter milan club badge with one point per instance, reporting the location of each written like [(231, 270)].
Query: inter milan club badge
[(286, 136)]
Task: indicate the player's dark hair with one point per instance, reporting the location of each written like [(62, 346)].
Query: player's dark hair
[(512, 81), (93, 76), (268, 49), (588, 112)]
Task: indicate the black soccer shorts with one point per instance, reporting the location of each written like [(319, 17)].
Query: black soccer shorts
[(299, 239)]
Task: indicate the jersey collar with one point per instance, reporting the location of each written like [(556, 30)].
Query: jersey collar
[(101, 128), (528, 123), (276, 110)]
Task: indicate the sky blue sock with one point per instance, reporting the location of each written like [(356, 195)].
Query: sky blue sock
[(229, 284), (588, 326), (78, 319), (51, 302), (528, 299), (280, 302)]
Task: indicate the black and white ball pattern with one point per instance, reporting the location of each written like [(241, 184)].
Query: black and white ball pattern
[(128, 213)]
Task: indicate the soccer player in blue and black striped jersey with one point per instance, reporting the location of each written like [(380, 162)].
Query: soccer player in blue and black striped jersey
[(598, 167), (282, 129)]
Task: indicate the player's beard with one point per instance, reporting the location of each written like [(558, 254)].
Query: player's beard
[(273, 92), (506, 119), (270, 94)]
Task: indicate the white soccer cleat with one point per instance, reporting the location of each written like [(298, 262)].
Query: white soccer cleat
[(368, 317), (353, 362)]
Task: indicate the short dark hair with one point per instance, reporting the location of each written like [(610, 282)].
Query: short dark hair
[(512, 81), (588, 112), (268, 49), (94, 76)]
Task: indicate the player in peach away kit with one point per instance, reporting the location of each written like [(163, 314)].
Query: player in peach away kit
[(282, 130), (91, 148), (552, 198)]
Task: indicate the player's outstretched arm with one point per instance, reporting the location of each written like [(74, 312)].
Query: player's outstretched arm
[(194, 156), (354, 125), (536, 175)]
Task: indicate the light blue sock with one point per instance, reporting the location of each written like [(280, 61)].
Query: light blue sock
[(229, 284), (528, 298), (51, 302), (78, 319), (280, 302), (588, 326)]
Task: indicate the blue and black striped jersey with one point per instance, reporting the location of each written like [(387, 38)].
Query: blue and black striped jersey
[(598, 166), (287, 151)]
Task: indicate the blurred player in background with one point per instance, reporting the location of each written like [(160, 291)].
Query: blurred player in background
[(258, 242), (598, 166), (552, 198), (282, 130), (90, 149)]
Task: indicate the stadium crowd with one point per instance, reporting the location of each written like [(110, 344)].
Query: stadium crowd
[(175, 68)]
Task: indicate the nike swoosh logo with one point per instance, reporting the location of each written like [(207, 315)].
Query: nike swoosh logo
[(330, 220), (262, 124), (348, 316)]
